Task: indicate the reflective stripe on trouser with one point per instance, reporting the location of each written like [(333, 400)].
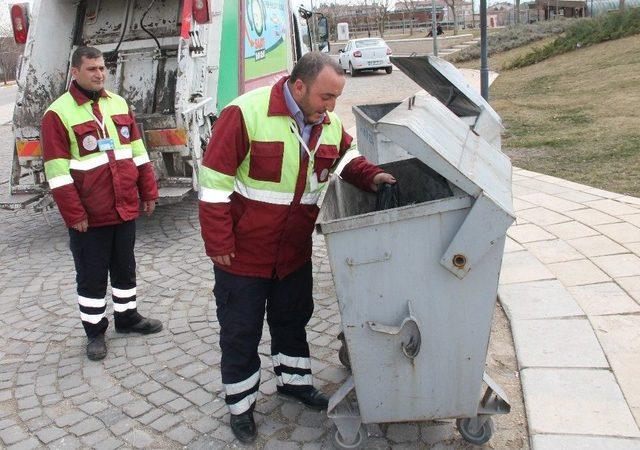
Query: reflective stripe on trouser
[(100, 253), (241, 304)]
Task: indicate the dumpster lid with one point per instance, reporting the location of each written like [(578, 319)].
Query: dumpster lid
[(444, 81), (428, 130)]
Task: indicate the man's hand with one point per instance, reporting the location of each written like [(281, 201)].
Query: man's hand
[(148, 206), (223, 260), (82, 226), (382, 178)]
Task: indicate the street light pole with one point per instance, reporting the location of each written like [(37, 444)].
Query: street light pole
[(434, 28), (484, 64)]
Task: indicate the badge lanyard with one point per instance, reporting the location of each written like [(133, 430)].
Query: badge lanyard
[(100, 123), (313, 178), (104, 143)]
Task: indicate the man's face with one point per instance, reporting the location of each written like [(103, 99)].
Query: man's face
[(91, 75), (320, 96)]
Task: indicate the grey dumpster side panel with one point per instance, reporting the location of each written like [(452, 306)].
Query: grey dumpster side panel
[(445, 379)]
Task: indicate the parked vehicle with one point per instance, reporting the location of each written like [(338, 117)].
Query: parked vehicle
[(177, 62), (365, 54)]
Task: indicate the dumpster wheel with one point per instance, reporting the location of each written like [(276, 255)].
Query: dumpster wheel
[(338, 443), (469, 431), (343, 356)]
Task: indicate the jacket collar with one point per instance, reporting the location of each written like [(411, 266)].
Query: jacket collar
[(278, 104), (80, 97)]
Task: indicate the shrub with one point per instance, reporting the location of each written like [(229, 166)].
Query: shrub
[(515, 36), (583, 33)]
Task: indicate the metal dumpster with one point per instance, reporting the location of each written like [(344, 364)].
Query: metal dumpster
[(417, 284)]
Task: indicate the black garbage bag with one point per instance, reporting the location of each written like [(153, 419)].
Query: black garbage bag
[(388, 196)]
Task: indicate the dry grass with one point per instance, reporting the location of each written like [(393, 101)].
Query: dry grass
[(575, 116)]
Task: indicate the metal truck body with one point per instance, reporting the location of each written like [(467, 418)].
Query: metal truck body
[(177, 62)]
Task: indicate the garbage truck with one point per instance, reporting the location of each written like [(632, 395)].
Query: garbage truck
[(177, 62)]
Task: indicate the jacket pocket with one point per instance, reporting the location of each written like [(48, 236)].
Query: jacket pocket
[(326, 157), (87, 137), (123, 124), (265, 161)]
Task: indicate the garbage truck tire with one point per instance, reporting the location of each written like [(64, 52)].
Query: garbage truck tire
[(358, 444), (476, 437), (343, 356)]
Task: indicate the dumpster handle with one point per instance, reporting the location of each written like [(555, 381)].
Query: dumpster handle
[(408, 330)]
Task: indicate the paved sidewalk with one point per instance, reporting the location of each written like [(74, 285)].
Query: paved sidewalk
[(570, 286)]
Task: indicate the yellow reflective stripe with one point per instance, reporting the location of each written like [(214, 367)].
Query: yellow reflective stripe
[(88, 164), (346, 159), (123, 152), (311, 198), (213, 195), (140, 160), (276, 198), (99, 160), (59, 181)]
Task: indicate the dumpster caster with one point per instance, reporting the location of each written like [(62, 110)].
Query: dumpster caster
[(476, 430), (340, 444)]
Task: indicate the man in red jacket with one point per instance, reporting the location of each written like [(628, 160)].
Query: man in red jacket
[(267, 163), (97, 168)]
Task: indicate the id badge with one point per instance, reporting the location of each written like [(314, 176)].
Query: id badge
[(106, 144)]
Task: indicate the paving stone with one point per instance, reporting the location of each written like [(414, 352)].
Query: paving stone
[(620, 339), (631, 285), (138, 439), (553, 251), (596, 246), (122, 427), (276, 444), (109, 444), (165, 422), (552, 202), (557, 343), (88, 425), (307, 434), (65, 443), (28, 444), (149, 417), (70, 419), (94, 438), (576, 401), (612, 207), (136, 408), (566, 442), (528, 233), (574, 273), (205, 425), (199, 396), (591, 217), (50, 434), (520, 267), (181, 385), (620, 232), (403, 432), (537, 300), (161, 397), (434, 433), (605, 298), (617, 266), (542, 216), (177, 405), (181, 434), (93, 407), (571, 230), (13, 434)]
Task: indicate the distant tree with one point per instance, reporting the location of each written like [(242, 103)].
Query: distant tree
[(452, 4), (411, 6), (382, 12), (9, 53)]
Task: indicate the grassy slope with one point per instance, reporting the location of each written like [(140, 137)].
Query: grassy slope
[(575, 116)]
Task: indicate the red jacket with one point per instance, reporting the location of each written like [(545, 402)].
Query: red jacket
[(267, 239), (107, 194)]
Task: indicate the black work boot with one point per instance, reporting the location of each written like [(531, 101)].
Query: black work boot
[(311, 397), (96, 347), (244, 427), (144, 326)]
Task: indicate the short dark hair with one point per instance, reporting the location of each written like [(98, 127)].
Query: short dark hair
[(310, 65), (84, 52)]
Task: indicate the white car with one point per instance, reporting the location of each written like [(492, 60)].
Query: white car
[(365, 54)]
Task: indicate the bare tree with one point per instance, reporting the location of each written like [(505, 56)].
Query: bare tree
[(9, 53), (382, 11), (411, 7), (452, 4)]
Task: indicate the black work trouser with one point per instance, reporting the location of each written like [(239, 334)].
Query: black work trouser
[(99, 253), (241, 302)]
